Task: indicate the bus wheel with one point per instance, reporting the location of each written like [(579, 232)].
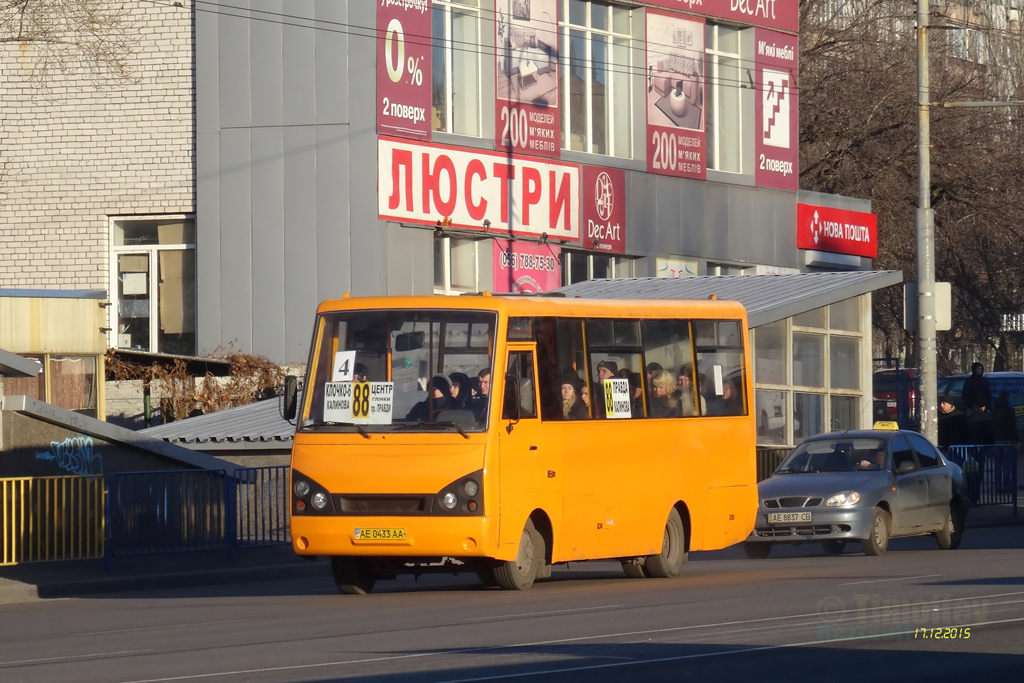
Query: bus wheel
[(519, 574), (673, 550), (633, 571), (352, 576)]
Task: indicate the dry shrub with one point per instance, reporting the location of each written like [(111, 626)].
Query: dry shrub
[(250, 379)]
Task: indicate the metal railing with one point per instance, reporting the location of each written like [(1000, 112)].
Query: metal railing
[(264, 502), (990, 472), (169, 511), (44, 519), (768, 459)]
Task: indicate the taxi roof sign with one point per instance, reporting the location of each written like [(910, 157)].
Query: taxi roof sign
[(886, 426)]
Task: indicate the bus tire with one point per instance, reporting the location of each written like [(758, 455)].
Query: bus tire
[(352, 576), (520, 573), (632, 570), (673, 550)]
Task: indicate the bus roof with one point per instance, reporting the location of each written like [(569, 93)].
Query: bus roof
[(530, 305)]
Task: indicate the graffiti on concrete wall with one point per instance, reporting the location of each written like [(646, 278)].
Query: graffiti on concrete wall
[(74, 455)]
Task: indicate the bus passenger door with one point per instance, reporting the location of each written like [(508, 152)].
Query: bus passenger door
[(530, 465)]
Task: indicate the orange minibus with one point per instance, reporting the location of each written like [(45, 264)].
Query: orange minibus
[(505, 434)]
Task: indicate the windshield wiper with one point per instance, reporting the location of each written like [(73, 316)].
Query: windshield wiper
[(347, 424), (424, 423)]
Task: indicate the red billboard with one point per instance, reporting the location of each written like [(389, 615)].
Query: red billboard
[(604, 210), (676, 144), (403, 69), (477, 190), (778, 14), (776, 111), (836, 230), (527, 118), (526, 267)]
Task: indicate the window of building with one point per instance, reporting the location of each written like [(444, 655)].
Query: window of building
[(66, 381), (154, 275), (456, 268), (808, 373), (596, 78), (578, 266), (456, 67), (724, 98)]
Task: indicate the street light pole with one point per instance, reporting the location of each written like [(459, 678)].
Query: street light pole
[(925, 242)]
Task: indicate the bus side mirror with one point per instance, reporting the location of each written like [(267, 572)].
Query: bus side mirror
[(291, 394), (510, 409)]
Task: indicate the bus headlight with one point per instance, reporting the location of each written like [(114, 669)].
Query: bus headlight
[(319, 500), (471, 488), (450, 500), (302, 488)]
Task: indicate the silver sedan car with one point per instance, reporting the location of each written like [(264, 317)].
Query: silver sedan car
[(868, 486)]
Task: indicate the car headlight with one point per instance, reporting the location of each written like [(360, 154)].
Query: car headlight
[(319, 500), (843, 498), (450, 500), (302, 488)]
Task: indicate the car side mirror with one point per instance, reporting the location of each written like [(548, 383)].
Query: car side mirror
[(906, 466), (291, 393)]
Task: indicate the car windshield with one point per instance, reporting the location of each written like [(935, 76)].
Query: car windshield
[(387, 370), (835, 455)]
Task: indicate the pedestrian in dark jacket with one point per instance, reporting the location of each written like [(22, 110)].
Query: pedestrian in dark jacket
[(1004, 420), (981, 426), (954, 429), (977, 391)]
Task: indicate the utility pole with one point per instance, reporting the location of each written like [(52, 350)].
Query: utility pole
[(925, 241)]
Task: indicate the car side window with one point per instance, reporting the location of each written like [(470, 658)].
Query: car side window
[(925, 451), (903, 453)]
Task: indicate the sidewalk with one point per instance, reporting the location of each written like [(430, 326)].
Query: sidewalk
[(75, 578), (995, 515)]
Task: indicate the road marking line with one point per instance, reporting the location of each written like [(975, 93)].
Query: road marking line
[(576, 639), (898, 578), (71, 657), (537, 614)]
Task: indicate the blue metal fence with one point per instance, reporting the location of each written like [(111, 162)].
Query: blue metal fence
[(264, 502), (990, 472), (184, 510)]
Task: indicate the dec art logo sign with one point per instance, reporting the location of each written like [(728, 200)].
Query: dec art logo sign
[(604, 210), (836, 230)]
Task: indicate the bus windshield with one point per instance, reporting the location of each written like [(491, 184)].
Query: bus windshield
[(407, 370)]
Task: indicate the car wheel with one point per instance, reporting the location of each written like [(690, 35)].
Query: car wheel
[(834, 546), (878, 541), (952, 532), (352, 576), (673, 550), (756, 551), (520, 573)]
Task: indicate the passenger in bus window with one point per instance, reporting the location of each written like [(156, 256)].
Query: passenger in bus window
[(478, 403), (360, 373), (606, 369), (461, 391), (438, 398), (636, 392), (572, 407), (653, 369), (729, 403), (687, 397), (664, 402)]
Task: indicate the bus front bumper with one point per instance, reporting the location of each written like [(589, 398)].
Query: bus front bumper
[(395, 536)]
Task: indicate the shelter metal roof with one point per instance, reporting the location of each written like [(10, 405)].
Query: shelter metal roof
[(257, 426), (767, 298)]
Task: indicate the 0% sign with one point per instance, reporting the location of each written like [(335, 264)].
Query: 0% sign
[(395, 60)]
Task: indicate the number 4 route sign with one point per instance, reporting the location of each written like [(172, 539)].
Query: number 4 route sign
[(358, 402)]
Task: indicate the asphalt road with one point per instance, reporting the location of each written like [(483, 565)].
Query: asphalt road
[(797, 616)]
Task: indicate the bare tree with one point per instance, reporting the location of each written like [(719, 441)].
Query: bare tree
[(858, 81), (69, 35)]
